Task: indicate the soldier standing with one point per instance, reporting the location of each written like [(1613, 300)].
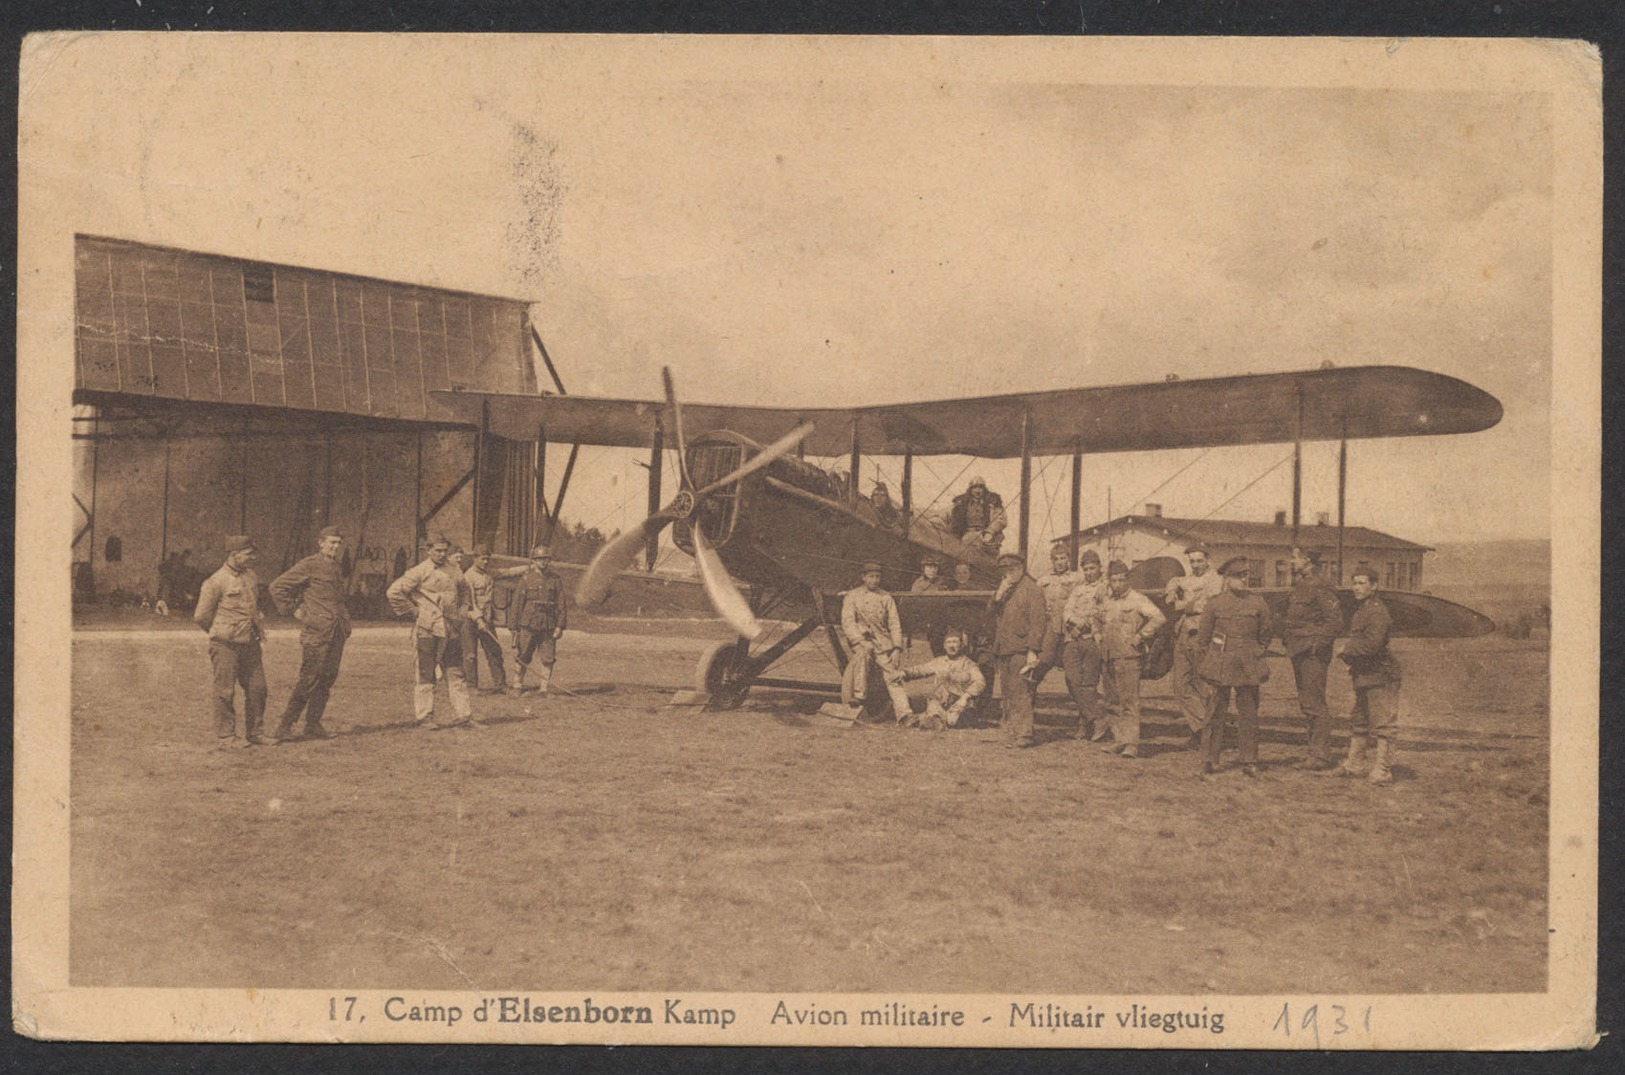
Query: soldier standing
[(480, 629), (1057, 586), (875, 632), (1376, 676), (228, 610), (313, 591), (1234, 634), (539, 616), (1124, 622), (437, 592), (1080, 655), (1189, 595), (1314, 619), (1020, 637)]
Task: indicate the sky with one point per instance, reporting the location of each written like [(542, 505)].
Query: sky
[(817, 221)]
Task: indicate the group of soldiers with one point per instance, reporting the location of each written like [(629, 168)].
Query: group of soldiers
[(454, 620), (1098, 629)]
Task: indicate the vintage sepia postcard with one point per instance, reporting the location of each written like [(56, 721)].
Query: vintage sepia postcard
[(1055, 543)]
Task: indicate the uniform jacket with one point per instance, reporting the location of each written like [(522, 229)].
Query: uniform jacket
[(954, 678), (1314, 618), (1366, 652), (439, 594), (963, 518), (538, 601), (1023, 620), (1057, 588), (870, 616), (1190, 595), (1123, 625), (228, 606), (1079, 614), (318, 585), (925, 585), (1234, 634)]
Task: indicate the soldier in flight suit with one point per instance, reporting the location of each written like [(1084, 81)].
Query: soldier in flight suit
[(315, 592), (1376, 677), (539, 615), (1314, 619), (870, 622), (1234, 634)]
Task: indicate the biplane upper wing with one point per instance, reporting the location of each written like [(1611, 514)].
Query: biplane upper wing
[(1326, 404)]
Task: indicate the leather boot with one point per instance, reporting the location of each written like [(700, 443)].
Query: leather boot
[(1355, 763), (545, 677), (1380, 773)]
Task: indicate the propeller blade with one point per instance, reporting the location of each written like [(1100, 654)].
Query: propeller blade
[(760, 459), (725, 596), (615, 557), (677, 425)]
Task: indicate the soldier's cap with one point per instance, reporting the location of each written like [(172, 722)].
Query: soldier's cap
[(1234, 568), (931, 558), (1195, 548), (239, 542), (1116, 567), (329, 531), (978, 480), (541, 551), (437, 538), (1010, 559), (482, 549), (871, 566), (1313, 555), (1089, 556)]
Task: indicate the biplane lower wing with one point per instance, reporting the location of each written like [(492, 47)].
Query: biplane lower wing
[(1361, 402)]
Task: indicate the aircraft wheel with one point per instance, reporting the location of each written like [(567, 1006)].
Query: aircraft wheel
[(718, 675)]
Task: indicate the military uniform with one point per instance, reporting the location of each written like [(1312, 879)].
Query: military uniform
[(1314, 619), (1234, 633), (317, 586), (1021, 628), (935, 630), (1122, 628), (480, 630), (1189, 595), (540, 613), (955, 686), (873, 629), (969, 519), (440, 597), (1080, 654), (1376, 677), (228, 609)]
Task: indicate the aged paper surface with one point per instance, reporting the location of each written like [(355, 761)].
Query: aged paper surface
[(809, 222)]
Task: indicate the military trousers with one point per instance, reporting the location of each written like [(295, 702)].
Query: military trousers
[(318, 670), (855, 681), (1309, 672), (1018, 692), (475, 641), (1376, 712), (446, 656), (1246, 722), (1122, 678), (237, 664), (1190, 689), (528, 646), (1080, 660)]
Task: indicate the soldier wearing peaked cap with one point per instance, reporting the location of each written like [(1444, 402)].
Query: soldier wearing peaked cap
[(931, 581), (874, 632), (228, 610), (1314, 619), (436, 593), (1234, 633), (1020, 638), (539, 616), (315, 592)]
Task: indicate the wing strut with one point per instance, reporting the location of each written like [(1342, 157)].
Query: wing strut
[(652, 549), (1077, 504), (1342, 486), (1026, 479), (1297, 467)]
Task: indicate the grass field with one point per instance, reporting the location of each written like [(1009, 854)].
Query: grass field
[(603, 841)]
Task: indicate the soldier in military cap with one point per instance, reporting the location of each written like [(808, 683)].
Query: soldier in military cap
[(1021, 636), (1124, 622), (315, 591), (931, 581), (480, 630), (228, 611), (1188, 596), (435, 593), (873, 629), (539, 615), (1080, 654), (1234, 634), (1376, 677), (1314, 619)]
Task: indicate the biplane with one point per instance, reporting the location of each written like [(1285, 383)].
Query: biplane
[(751, 507)]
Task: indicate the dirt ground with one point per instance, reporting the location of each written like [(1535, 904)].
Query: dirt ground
[(602, 840)]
